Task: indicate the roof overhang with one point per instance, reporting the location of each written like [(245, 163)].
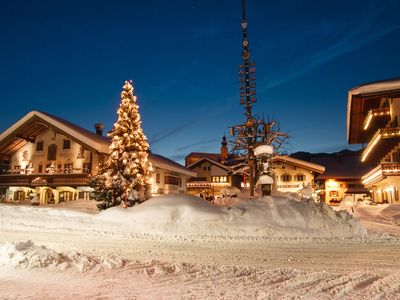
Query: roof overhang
[(209, 160), (161, 162), (363, 98), (299, 163), (33, 124)]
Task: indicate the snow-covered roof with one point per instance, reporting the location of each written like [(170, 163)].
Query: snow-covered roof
[(209, 160), (377, 88), (95, 141), (91, 139), (162, 162), (299, 163)]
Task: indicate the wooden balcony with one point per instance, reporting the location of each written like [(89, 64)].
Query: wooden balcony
[(384, 139), (381, 171), (375, 113), (51, 180)]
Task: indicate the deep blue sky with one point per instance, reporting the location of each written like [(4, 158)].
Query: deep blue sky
[(70, 58)]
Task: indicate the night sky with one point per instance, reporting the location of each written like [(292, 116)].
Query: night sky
[(70, 59)]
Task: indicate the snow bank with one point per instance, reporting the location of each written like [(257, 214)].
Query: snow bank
[(179, 217), (382, 213), (26, 255), (172, 215), (391, 213)]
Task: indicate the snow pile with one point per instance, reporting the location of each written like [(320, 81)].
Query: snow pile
[(391, 213), (347, 205), (26, 255), (383, 213), (179, 217), (172, 215)]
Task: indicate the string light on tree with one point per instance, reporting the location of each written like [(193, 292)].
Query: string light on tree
[(126, 176)]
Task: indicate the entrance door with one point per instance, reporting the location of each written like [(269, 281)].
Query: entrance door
[(49, 197), (19, 196)]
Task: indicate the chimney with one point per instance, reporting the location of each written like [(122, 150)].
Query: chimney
[(99, 128)]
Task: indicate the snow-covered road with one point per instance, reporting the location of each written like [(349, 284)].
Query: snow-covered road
[(157, 270)]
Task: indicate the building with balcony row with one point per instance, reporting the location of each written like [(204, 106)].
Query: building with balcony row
[(217, 171), (52, 158), (373, 113)]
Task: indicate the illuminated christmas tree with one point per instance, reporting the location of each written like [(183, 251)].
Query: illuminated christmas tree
[(125, 178)]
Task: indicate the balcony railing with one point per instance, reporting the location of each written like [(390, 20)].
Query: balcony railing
[(382, 133), (382, 170), (73, 179), (56, 171), (389, 168), (375, 112)]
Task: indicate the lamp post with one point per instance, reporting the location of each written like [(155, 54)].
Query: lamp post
[(263, 154)]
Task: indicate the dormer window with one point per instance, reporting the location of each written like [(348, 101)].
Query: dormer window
[(39, 146), (67, 144)]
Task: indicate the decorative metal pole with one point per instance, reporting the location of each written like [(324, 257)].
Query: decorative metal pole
[(247, 97)]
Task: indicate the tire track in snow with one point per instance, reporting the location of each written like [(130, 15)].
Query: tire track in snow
[(385, 288)]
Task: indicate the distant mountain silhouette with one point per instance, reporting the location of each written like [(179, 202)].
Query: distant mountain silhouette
[(307, 156), (342, 164)]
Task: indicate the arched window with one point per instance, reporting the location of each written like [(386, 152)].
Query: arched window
[(52, 152)]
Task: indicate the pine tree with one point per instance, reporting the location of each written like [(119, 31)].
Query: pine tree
[(125, 178)]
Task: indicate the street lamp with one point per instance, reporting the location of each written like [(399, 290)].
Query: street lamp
[(263, 154)]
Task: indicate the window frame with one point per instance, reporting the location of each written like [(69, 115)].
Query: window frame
[(40, 146), (66, 144)]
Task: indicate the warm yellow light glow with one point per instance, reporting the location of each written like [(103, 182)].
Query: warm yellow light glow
[(243, 185), (373, 113), (373, 175), (370, 147), (331, 183), (368, 121)]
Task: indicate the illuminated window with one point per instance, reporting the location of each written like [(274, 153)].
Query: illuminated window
[(300, 177), (286, 177)]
